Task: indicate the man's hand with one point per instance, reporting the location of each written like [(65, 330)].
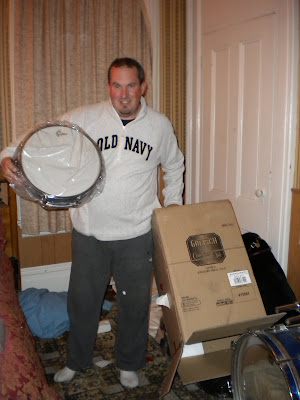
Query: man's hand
[(10, 170)]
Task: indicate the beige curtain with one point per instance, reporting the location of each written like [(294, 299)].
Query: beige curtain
[(5, 110), (172, 65), (172, 69), (62, 49)]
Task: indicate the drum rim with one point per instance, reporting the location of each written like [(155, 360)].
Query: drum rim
[(286, 366), (49, 198)]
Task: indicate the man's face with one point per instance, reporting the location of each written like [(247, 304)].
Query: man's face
[(125, 91)]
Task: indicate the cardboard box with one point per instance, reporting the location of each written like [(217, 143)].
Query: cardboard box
[(204, 276)]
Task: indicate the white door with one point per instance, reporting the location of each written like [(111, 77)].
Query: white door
[(241, 143), (239, 66)]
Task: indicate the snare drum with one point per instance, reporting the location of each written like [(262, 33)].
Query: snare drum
[(266, 365), (60, 166)]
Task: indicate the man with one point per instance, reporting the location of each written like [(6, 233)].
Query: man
[(112, 233)]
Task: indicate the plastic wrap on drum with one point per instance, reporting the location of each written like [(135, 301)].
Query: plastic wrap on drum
[(59, 165), (266, 365)]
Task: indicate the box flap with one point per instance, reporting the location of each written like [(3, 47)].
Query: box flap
[(235, 329), (167, 383), (208, 366)]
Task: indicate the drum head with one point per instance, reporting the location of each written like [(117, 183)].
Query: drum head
[(60, 165), (256, 374)]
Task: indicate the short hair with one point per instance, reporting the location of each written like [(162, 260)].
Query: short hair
[(127, 62)]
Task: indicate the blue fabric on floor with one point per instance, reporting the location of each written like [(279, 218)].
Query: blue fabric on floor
[(45, 312), (107, 305)]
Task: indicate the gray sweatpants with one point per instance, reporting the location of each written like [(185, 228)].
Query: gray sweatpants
[(93, 262)]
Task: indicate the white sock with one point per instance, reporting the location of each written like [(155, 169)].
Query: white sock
[(129, 379), (64, 375)]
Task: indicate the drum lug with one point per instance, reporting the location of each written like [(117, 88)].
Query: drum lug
[(234, 343)]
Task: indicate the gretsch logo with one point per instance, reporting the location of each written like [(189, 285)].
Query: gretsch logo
[(205, 249)]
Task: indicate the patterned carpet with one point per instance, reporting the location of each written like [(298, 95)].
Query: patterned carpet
[(101, 382)]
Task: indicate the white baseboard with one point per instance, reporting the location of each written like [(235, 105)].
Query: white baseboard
[(54, 277)]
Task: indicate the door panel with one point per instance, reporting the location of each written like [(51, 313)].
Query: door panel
[(239, 64)]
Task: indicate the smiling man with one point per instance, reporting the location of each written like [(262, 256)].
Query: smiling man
[(126, 86), (112, 233)]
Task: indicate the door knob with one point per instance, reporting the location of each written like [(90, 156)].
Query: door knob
[(259, 193)]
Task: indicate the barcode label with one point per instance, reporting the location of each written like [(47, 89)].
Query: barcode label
[(239, 278)]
